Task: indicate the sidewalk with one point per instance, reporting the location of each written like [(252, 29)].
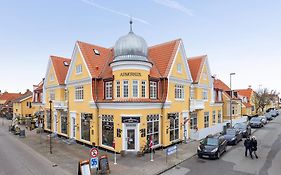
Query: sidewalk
[(67, 156)]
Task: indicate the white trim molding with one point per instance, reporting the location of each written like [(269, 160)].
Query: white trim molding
[(138, 65), (133, 105)]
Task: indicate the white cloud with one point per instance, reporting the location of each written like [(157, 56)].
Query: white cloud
[(175, 5), (92, 3)]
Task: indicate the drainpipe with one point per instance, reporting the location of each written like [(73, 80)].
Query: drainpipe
[(96, 103), (162, 109)]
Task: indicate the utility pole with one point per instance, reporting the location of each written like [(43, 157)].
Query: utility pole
[(51, 126), (231, 95)]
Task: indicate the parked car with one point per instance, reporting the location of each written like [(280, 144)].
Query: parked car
[(245, 128), (212, 147), (233, 136), (268, 116), (256, 122), (263, 119), (273, 113)]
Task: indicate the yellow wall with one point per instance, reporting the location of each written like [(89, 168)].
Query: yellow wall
[(84, 73), (21, 108)]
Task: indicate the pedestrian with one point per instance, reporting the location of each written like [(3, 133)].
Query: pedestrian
[(247, 144), (254, 146)]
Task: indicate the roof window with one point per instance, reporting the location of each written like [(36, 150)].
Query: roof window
[(96, 52), (65, 63)]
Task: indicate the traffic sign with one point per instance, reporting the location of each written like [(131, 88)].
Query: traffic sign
[(172, 150), (94, 162), (94, 152)]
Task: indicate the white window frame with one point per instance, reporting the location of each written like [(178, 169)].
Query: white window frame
[(118, 90), (108, 90), (79, 93), (193, 121), (126, 86), (179, 68), (52, 95), (78, 69), (205, 94), (214, 117), (173, 120), (179, 91), (192, 93), (206, 119), (143, 89), (135, 88), (153, 89), (219, 117)]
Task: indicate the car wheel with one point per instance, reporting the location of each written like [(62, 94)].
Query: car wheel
[(218, 155), (200, 156)]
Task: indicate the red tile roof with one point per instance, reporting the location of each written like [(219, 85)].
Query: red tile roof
[(9, 96), (220, 85), (245, 92), (196, 66), (60, 67)]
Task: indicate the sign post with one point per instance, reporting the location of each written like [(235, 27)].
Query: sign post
[(150, 146), (171, 150), (94, 152), (94, 160), (113, 145)]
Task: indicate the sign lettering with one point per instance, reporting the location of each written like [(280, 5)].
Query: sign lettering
[(133, 74)]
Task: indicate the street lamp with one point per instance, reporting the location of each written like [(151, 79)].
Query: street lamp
[(51, 126), (231, 95)]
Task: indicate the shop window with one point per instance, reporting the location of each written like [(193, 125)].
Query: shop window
[(118, 95), (79, 69), (206, 119), (63, 121), (48, 120), (143, 89), (204, 94), (179, 91), (108, 90), (174, 126), (125, 88), (193, 120), (52, 95), (135, 88), (85, 126), (153, 128), (107, 130), (219, 117), (79, 93), (153, 89), (214, 117)]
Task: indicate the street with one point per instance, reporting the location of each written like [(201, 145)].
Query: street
[(17, 158), (233, 162)]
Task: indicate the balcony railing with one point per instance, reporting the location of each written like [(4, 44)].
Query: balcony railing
[(196, 104)]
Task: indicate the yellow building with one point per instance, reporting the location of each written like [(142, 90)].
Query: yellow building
[(54, 91), (247, 97), (22, 106), (232, 106), (205, 100)]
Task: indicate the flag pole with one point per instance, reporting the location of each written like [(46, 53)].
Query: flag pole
[(115, 161), (150, 145)]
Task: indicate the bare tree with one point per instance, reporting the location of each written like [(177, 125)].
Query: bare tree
[(264, 97)]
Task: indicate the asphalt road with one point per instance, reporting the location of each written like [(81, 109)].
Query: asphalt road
[(233, 162), (18, 159)]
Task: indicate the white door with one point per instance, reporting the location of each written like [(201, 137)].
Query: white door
[(186, 125), (55, 122), (72, 125), (131, 137)]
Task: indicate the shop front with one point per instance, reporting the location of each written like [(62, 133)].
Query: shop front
[(130, 125)]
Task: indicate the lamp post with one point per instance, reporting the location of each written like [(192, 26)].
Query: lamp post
[(51, 126), (231, 95)]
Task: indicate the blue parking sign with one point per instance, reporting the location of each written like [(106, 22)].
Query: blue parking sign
[(94, 162)]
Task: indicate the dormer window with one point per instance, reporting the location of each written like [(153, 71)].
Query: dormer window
[(79, 69), (108, 90)]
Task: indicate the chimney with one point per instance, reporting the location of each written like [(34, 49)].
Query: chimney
[(250, 87)]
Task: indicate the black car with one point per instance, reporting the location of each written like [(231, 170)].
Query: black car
[(256, 122), (212, 147), (244, 128), (233, 136)]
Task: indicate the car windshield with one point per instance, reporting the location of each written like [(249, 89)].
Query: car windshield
[(255, 119), (240, 126), (211, 141), (230, 132)]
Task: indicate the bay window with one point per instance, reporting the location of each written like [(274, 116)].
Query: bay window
[(143, 89), (135, 88), (118, 89), (125, 88)]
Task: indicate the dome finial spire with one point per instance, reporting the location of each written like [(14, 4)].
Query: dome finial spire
[(131, 24)]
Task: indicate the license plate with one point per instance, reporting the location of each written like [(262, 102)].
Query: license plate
[(206, 156)]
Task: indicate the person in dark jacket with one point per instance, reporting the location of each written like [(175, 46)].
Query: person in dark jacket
[(247, 144), (254, 146)]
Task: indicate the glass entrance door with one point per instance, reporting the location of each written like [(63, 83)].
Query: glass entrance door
[(131, 139)]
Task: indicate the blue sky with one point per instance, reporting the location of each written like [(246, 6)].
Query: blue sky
[(241, 36)]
